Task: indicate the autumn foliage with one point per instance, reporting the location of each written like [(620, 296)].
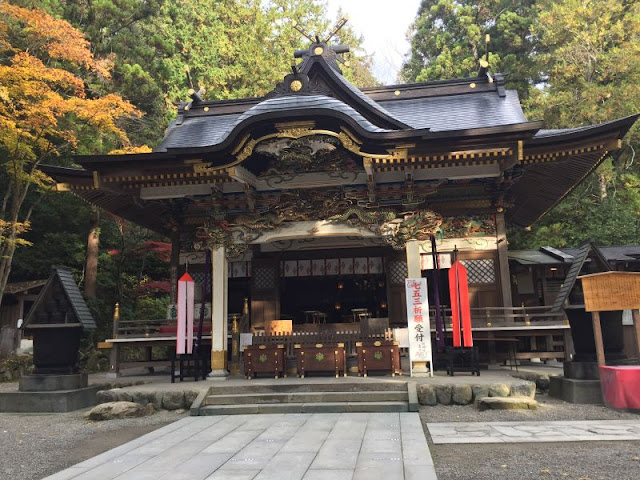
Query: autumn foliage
[(50, 86)]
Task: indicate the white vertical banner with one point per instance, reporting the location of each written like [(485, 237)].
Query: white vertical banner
[(418, 322), (186, 303)]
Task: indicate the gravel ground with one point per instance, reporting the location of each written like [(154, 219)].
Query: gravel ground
[(522, 461), (33, 446), (36, 445)]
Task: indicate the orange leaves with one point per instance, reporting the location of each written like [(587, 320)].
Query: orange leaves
[(57, 38), (44, 106)]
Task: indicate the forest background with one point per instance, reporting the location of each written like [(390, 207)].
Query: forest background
[(65, 64)]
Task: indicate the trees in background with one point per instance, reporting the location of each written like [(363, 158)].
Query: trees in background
[(156, 50), (50, 102), (573, 62)]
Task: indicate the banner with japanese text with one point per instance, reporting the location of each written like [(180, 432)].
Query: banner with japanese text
[(418, 322)]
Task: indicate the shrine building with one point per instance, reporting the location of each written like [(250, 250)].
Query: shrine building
[(319, 199)]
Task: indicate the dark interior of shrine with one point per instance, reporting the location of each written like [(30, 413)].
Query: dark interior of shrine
[(335, 296)]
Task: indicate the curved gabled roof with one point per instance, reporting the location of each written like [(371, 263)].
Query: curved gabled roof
[(198, 132)]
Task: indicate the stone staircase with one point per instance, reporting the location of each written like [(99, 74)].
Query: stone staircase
[(301, 397)]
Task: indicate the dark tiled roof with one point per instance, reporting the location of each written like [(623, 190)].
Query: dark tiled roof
[(197, 132), (458, 112), (624, 253), (309, 103), (211, 130)]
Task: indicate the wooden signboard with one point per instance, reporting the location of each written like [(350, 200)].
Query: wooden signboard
[(611, 291)]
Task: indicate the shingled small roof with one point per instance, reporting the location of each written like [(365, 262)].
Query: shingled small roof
[(62, 276)]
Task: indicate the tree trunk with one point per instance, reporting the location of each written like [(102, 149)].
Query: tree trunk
[(602, 182), (93, 244)]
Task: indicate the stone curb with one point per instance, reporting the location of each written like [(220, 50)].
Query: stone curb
[(466, 394)]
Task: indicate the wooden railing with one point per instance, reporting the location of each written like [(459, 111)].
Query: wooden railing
[(509, 316)]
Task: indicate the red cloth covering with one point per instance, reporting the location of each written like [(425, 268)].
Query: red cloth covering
[(621, 386), (173, 329)]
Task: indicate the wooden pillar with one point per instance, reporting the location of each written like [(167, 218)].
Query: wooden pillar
[(219, 314), (174, 265), (503, 261), (636, 326), (597, 335), (413, 259)]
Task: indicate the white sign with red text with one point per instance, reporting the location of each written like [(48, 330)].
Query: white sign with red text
[(418, 322)]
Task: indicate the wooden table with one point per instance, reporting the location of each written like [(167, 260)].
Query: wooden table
[(321, 358)]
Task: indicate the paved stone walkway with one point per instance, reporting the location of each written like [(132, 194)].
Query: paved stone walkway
[(531, 432), (358, 446)]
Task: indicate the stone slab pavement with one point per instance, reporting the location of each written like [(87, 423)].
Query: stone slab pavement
[(320, 446), (532, 432)]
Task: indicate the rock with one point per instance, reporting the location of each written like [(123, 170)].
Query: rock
[(443, 393), (189, 398), (427, 395), (499, 390), (543, 382), (480, 391), (541, 379), (180, 411), (155, 398), (173, 400), (121, 395), (112, 410), (140, 397), (106, 396), (523, 389), (462, 394), (506, 403)]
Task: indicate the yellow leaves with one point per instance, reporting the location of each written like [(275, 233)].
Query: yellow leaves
[(131, 149), (9, 232)]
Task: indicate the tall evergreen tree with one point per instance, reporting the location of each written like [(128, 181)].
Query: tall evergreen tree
[(448, 40)]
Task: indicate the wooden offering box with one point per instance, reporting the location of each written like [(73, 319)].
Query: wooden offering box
[(264, 359), (381, 356), (321, 358)]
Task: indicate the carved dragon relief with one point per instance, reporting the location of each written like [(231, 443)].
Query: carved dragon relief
[(235, 234)]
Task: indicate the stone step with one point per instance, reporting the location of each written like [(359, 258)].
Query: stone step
[(303, 386), (307, 397), (506, 403), (327, 407)]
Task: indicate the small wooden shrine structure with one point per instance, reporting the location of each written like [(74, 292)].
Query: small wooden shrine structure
[(322, 197), (57, 320)]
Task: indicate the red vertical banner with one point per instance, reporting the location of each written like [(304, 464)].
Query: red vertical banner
[(186, 299), (460, 311)]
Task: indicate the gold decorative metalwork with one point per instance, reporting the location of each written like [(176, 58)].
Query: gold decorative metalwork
[(318, 51), (295, 86), (203, 168)]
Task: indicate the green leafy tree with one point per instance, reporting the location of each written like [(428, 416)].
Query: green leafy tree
[(589, 56), (448, 41)]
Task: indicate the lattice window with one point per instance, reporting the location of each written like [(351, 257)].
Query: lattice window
[(481, 271), (198, 277), (263, 278), (397, 272)]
